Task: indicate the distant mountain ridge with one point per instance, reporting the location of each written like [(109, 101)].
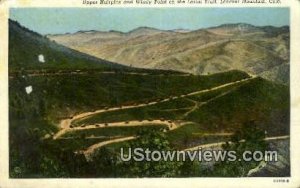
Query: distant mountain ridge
[(26, 46), (253, 49), (146, 29)]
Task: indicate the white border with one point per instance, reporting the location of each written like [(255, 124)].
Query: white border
[(294, 181)]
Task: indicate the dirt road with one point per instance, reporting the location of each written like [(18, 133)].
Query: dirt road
[(219, 144), (79, 72), (90, 150), (65, 123), (86, 114), (170, 124)]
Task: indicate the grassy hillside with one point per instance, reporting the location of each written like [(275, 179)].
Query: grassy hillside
[(222, 110), (26, 45), (257, 100), (59, 96)]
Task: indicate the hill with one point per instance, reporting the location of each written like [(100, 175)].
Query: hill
[(67, 103), (32, 52), (215, 111), (26, 46), (244, 47)]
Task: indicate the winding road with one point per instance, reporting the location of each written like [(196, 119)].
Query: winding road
[(80, 72), (90, 150), (65, 124), (219, 144), (170, 124)]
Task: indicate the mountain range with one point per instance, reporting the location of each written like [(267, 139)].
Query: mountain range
[(262, 50)]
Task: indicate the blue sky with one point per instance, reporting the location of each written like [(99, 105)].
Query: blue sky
[(63, 20)]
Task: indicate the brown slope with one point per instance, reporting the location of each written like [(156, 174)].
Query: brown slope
[(231, 46)]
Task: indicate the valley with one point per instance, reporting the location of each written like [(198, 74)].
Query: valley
[(81, 107)]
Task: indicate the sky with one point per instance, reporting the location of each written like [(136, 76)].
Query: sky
[(70, 20)]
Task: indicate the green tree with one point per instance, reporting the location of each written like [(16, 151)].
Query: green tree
[(34, 161), (105, 163), (249, 138), (153, 140)]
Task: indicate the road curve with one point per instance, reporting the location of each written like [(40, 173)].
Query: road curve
[(87, 153), (219, 144), (67, 122), (170, 124)]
